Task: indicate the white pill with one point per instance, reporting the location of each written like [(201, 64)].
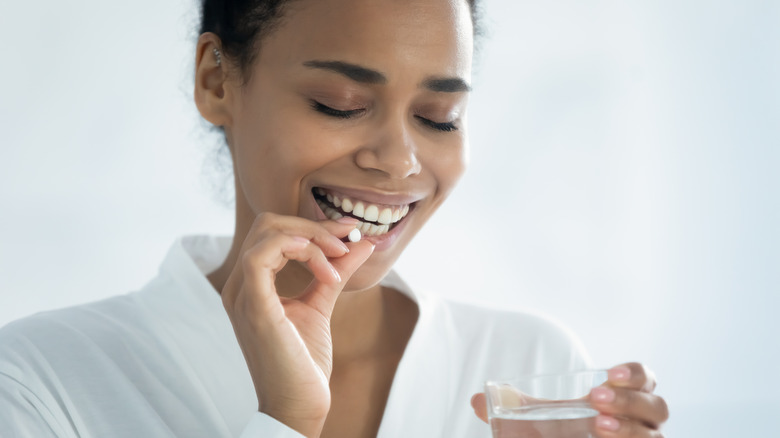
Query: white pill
[(354, 235)]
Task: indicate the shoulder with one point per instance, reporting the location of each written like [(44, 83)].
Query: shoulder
[(508, 321), (488, 317), (518, 336), (58, 364), (514, 335), (60, 336), (67, 339)]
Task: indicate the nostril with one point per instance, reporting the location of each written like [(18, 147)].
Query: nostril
[(395, 164)]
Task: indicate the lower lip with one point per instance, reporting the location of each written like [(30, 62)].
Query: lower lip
[(381, 242)]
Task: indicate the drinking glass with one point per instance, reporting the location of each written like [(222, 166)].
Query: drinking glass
[(544, 406)]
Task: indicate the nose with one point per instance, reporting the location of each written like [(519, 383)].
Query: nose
[(392, 152)]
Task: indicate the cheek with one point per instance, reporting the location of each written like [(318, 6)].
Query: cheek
[(275, 151), (266, 163), (447, 166)]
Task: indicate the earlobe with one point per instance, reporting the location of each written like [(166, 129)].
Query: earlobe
[(212, 95)]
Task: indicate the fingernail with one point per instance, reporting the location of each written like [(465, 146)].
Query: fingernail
[(301, 240), (341, 244), (347, 220), (335, 273), (619, 374), (602, 395), (607, 423)]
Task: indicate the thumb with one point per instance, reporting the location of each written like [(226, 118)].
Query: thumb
[(479, 404), (322, 296)]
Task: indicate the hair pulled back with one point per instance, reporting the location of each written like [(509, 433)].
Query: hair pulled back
[(241, 24)]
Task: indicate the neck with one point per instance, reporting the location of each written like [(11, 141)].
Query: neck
[(371, 324)]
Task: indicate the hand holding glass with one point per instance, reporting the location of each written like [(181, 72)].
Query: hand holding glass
[(544, 406)]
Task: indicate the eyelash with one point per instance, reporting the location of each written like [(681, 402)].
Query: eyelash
[(324, 109), (444, 127), (333, 112)]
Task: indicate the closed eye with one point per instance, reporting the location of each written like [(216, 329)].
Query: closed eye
[(348, 114), (444, 127), (333, 112)]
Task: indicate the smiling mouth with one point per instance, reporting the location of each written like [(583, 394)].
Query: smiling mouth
[(374, 219)]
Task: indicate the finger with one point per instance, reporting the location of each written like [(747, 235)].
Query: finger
[(255, 273), (319, 265), (322, 296), (326, 234), (479, 404), (632, 375), (504, 395), (610, 427), (507, 396), (643, 407), (261, 263), (307, 253), (340, 227)]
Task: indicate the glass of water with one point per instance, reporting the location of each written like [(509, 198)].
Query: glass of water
[(544, 406)]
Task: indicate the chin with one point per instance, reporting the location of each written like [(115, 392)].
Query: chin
[(366, 277)]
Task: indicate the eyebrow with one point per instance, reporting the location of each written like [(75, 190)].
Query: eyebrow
[(446, 85), (353, 71), (366, 75)]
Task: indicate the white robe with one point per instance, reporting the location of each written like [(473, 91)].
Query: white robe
[(164, 362)]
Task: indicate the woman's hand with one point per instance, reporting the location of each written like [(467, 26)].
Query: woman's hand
[(286, 341), (627, 405)]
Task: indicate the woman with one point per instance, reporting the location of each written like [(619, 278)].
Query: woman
[(339, 114)]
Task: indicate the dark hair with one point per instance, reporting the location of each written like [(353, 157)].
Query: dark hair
[(241, 24)]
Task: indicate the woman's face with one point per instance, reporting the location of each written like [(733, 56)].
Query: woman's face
[(356, 107)]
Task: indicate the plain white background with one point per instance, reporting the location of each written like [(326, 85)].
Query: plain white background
[(624, 178)]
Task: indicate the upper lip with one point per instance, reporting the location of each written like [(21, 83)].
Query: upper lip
[(375, 197)]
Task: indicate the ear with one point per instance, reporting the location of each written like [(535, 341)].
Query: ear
[(213, 91)]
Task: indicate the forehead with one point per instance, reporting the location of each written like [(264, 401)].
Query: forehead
[(397, 37)]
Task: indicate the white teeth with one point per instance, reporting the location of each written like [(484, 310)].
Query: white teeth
[(381, 216), (358, 210), (332, 214), (329, 212), (372, 213), (385, 217)]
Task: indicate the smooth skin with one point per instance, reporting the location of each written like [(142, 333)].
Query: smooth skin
[(321, 338)]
